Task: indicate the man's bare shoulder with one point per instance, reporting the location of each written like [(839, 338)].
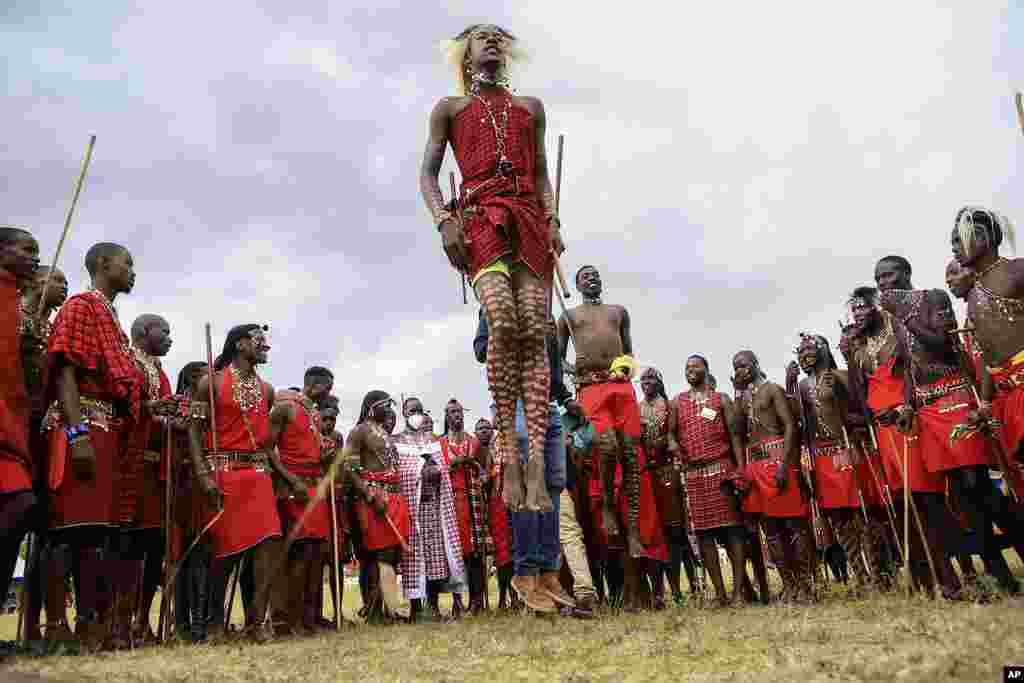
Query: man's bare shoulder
[(451, 105), (533, 104)]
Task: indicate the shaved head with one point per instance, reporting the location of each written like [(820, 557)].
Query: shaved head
[(98, 251), (144, 322)]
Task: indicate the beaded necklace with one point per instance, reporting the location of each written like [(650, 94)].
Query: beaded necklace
[(312, 415), (151, 369), (874, 345), (1006, 306), (247, 390), (503, 166), (108, 304)]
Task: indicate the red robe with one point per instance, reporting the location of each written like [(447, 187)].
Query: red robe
[(144, 467), (1008, 408), (87, 335), (299, 447), (471, 536), (15, 403), (250, 507), (764, 497), (506, 218), (885, 391)]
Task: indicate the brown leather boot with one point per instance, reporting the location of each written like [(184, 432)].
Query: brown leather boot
[(535, 599), (549, 584)]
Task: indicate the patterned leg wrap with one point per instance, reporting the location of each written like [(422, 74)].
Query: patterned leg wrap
[(535, 383), (804, 559), (495, 293), (631, 486), (606, 447), (777, 552), (851, 534)]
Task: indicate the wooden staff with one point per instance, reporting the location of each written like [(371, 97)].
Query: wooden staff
[(558, 200), (884, 494), (67, 223), (210, 374), (165, 598), (910, 509), (231, 593), (856, 478), (1020, 110), (337, 564), (457, 213)]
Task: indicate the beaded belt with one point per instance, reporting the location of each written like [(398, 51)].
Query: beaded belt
[(841, 456), (97, 412), (710, 469), (224, 459), (588, 377), (931, 394), (763, 451), (1013, 378)]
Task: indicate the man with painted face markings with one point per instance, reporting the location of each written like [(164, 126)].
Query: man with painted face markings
[(772, 465)]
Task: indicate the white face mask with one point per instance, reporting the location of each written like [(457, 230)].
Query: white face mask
[(415, 421)]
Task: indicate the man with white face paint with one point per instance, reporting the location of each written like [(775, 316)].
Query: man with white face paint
[(432, 564)]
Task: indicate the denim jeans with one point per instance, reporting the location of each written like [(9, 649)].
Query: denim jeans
[(536, 547)]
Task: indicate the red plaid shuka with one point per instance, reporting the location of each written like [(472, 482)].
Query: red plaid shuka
[(708, 463), (470, 505), (87, 335), (502, 215), (411, 452)]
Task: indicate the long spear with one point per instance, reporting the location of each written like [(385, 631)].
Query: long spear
[(1020, 110), (457, 212), (67, 223)]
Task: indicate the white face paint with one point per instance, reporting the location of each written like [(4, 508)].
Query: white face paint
[(415, 421)]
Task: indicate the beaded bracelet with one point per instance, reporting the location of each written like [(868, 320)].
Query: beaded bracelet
[(73, 432)]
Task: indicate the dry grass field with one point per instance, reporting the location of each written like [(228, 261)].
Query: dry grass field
[(882, 638)]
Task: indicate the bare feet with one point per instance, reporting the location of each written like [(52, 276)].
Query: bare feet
[(537, 498), (512, 493)]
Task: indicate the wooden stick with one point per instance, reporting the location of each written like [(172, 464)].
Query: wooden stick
[(458, 216), (210, 374), (906, 513), (337, 563), (231, 595), (67, 223), (165, 597), (558, 201), (1020, 110)]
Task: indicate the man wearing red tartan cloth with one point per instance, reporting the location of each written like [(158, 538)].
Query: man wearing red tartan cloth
[(839, 473), (381, 511), (47, 566), (878, 380), (19, 259), (462, 452), (772, 467), (233, 471), (433, 563), (703, 436), (943, 401), (96, 385), (295, 429), (143, 477), (503, 234)]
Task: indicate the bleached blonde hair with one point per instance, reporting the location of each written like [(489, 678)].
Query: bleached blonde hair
[(970, 219), (455, 50)]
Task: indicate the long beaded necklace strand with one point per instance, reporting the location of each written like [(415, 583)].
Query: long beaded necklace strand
[(503, 166), (312, 415), (1006, 306), (877, 343)]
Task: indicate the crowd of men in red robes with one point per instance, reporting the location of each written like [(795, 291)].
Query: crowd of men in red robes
[(226, 485)]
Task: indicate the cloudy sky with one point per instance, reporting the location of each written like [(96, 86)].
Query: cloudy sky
[(733, 169)]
